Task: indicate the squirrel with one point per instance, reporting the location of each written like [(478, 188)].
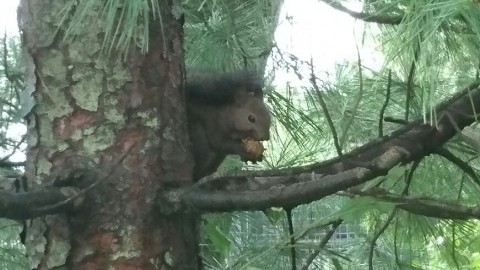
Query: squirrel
[(226, 115)]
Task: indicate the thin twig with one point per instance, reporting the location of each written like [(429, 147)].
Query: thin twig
[(14, 150), (409, 178), (410, 82), (376, 236), (322, 243), (395, 244), (293, 255), (454, 239), (445, 153), (385, 104), (396, 121), (313, 80)]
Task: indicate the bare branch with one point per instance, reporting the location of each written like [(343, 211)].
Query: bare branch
[(52, 200), (28, 205), (70, 187), (11, 164)]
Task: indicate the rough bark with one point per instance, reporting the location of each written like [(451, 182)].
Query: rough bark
[(124, 119)]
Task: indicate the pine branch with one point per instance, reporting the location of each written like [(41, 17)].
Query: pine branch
[(300, 185), (31, 204), (68, 192), (428, 207), (366, 17)]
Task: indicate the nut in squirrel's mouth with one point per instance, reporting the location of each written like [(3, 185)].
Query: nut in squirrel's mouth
[(253, 147)]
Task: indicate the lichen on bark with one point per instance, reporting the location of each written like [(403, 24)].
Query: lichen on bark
[(123, 114)]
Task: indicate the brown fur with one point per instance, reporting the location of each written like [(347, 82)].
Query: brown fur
[(220, 109)]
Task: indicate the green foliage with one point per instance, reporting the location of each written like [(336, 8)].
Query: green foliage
[(215, 232), (124, 22), (12, 252), (226, 35), (11, 86), (11, 77), (429, 56), (432, 54)]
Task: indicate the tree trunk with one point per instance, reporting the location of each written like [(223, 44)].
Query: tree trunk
[(122, 119)]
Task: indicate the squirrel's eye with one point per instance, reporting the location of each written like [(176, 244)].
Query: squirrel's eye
[(251, 118)]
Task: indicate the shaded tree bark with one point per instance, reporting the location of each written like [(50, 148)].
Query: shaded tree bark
[(122, 119)]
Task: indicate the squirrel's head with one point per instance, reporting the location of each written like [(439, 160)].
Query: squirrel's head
[(250, 121), (231, 107), (250, 117)]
